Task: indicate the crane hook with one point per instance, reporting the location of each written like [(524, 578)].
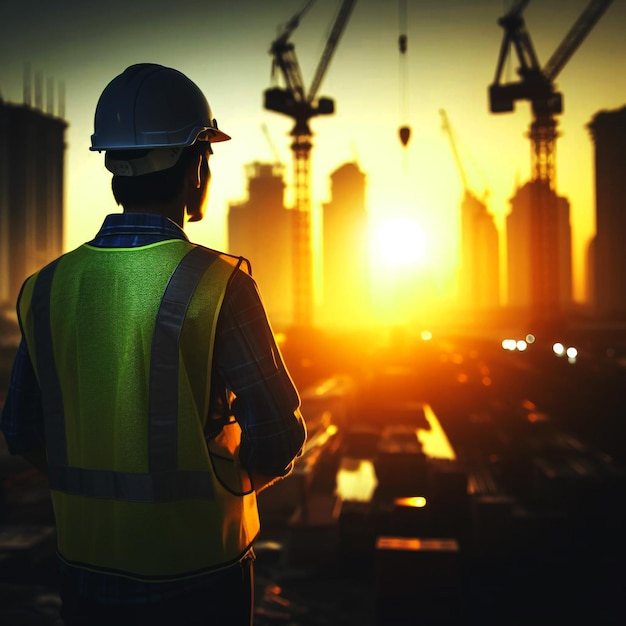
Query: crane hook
[(404, 132), (405, 135)]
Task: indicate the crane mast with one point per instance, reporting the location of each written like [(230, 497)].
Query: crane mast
[(301, 105)]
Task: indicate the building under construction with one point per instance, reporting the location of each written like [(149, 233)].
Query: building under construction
[(479, 274), (260, 228), (479, 277), (346, 290), (539, 251), (608, 272), (32, 155)]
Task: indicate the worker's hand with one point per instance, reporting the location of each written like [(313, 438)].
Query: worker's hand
[(261, 481)]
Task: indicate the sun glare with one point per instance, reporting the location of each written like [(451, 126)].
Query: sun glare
[(399, 241)]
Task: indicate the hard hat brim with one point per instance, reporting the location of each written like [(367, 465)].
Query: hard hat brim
[(212, 135), (151, 141)]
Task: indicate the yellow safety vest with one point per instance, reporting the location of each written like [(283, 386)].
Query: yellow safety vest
[(121, 340)]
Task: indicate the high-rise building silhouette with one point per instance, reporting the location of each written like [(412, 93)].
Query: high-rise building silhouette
[(479, 276), (32, 155), (539, 253), (346, 270), (608, 279), (260, 229)]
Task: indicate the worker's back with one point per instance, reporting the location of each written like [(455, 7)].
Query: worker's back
[(132, 483)]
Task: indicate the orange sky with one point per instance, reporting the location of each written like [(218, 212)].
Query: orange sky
[(223, 46)]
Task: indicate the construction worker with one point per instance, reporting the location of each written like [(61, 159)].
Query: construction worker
[(148, 384)]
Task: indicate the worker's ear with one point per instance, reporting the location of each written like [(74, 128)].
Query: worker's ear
[(197, 183), (194, 173)]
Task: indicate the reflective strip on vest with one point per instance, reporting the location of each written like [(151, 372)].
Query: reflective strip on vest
[(164, 482), (48, 375), (163, 406)]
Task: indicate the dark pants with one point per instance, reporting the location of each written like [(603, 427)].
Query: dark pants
[(229, 601)]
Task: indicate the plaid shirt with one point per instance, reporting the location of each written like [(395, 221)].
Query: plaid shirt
[(246, 361)]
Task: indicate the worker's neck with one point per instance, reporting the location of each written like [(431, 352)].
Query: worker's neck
[(170, 210)]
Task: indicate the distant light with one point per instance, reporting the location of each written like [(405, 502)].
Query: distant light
[(537, 417), (521, 345), (509, 344), (486, 381), (558, 348), (426, 335), (571, 352), (418, 502), (530, 338)]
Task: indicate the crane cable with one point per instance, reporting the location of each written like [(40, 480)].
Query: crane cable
[(404, 131)]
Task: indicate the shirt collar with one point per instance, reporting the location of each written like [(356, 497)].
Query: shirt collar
[(136, 229)]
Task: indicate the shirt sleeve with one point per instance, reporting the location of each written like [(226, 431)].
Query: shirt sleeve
[(266, 404), (22, 415)]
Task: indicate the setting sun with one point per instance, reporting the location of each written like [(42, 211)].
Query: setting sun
[(405, 267), (399, 241)]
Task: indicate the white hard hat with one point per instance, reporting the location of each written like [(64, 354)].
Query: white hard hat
[(154, 108)]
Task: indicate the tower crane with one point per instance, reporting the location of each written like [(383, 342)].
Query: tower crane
[(447, 128), (301, 105), (536, 85)]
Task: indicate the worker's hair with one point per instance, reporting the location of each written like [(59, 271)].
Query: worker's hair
[(161, 186)]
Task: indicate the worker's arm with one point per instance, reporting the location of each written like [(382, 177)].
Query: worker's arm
[(269, 451), (266, 405), (22, 415)]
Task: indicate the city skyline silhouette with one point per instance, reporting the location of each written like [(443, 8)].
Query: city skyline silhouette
[(452, 52)]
